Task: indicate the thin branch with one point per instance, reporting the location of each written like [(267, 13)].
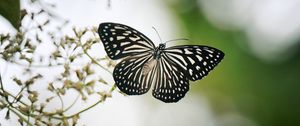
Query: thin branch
[(103, 98), (20, 116), (68, 108)]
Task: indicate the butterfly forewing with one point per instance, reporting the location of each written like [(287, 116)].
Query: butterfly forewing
[(128, 75), (120, 40), (170, 84), (195, 60)]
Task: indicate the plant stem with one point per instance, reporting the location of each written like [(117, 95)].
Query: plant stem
[(20, 116), (103, 98)]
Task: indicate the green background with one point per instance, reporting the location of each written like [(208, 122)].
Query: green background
[(267, 93)]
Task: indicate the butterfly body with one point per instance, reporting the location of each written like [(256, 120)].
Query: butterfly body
[(158, 50), (168, 69), (148, 66)]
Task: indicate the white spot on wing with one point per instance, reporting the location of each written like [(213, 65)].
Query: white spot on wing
[(134, 38), (111, 38), (118, 27), (117, 52), (209, 51), (191, 60), (204, 63), (197, 67), (120, 37), (199, 58), (126, 34), (186, 51)]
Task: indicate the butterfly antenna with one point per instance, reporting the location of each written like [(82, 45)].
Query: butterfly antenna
[(180, 39), (157, 34)]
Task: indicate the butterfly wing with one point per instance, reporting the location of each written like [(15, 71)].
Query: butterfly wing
[(170, 84), (120, 40), (196, 61), (129, 77)]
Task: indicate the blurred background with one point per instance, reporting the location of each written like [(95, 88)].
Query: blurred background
[(257, 83)]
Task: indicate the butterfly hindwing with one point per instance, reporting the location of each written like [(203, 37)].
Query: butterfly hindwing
[(170, 84), (128, 75), (195, 60), (120, 40)]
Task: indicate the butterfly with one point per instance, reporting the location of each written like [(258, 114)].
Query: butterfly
[(169, 69)]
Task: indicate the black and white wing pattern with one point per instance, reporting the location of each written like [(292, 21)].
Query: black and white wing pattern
[(143, 64), (129, 77), (195, 60), (170, 84), (120, 40)]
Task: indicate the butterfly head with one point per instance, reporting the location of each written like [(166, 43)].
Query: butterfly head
[(158, 50), (161, 46)]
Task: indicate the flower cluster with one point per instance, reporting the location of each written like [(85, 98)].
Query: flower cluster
[(76, 71)]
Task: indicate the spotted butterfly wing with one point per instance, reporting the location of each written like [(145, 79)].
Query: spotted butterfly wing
[(120, 40), (169, 69), (129, 77), (178, 65), (170, 84), (197, 61)]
